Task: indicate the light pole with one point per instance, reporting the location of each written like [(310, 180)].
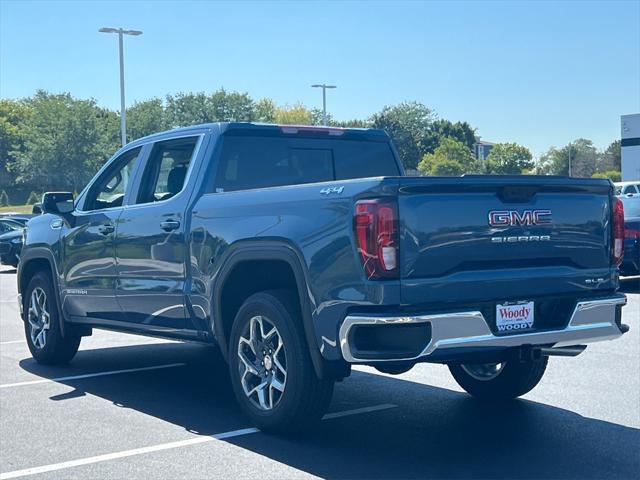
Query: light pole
[(121, 32), (324, 99)]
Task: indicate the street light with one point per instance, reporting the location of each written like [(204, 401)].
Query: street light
[(324, 99), (121, 32)]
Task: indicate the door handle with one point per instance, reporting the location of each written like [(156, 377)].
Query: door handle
[(106, 229), (169, 225)]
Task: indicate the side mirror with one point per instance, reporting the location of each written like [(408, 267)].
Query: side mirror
[(58, 203)]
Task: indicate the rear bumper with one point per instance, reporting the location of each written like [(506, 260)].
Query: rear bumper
[(591, 321)]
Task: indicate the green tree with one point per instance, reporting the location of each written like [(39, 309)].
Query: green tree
[(612, 157), (584, 158), (296, 114), (509, 159), (34, 197), (13, 115), (409, 126), (353, 123), (145, 118), (451, 158), (264, 110), (65, 141), (461, 131), (613, 175), (184, 109)]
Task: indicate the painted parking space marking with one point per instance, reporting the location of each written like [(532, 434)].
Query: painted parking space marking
[(90, 375), (168, 446), (8, 342)]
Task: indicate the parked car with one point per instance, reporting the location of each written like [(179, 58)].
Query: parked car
[(631, 263), (627, 188), (22, 218), (301, 251), (10, 241)]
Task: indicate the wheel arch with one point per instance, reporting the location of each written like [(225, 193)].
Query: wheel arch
[(265, 253), (36, 260)]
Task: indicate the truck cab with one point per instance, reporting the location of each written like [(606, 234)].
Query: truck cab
[(301, 251)]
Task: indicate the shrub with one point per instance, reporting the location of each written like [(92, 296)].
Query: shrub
[(34, 197), (614, 175), (4, 199)]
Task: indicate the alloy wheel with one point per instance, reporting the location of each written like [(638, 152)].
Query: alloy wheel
[(263, 365), (39, 318)]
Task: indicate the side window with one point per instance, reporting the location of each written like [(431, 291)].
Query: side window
[(260, 162), (109, 190), (166, 171), (629, 189)]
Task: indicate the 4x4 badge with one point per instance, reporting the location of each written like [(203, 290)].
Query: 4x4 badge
[(330, 190)]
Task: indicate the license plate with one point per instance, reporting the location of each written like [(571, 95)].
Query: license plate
[(513, 317)]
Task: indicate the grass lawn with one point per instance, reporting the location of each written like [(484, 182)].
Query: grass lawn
[(16, 208)]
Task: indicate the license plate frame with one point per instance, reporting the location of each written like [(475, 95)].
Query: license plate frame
[(515, 317)]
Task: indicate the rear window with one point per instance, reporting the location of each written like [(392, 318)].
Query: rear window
[(258, 162)]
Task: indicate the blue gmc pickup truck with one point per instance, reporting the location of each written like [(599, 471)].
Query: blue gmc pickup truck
[(301, 251)]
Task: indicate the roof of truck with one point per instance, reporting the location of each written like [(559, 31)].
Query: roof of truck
[(247, 126)]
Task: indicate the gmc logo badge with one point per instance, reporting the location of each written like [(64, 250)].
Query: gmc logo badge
[(509, 218)]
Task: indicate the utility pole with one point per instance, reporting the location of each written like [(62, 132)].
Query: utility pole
[(324, 99), (121, 32)]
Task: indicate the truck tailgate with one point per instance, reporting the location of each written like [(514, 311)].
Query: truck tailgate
[(490, 238)]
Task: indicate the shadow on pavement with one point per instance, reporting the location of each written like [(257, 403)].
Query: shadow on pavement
[(434, 432), (630, 285)]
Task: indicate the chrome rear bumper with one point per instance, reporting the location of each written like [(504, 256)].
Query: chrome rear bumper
[(591, 321)]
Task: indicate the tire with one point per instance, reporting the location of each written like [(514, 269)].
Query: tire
[(42, 326), (513, 378), (293, 397)]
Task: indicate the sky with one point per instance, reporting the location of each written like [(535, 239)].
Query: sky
[(536, 73)]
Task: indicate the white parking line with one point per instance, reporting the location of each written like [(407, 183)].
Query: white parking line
[(168, 446), (89, 375), (12, 341)]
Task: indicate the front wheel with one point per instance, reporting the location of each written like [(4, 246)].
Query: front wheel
[(499, 381), (42, 324), (271, 371)]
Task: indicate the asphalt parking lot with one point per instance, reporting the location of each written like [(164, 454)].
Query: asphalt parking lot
[(134, 407)]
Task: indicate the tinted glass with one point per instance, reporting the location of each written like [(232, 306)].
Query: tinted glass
[(109, 190), (9, 226), (631, 207), (248, 162), (166, 171)]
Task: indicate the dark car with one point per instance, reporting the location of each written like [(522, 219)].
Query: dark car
[(10, 241), (631, 262), (301, 251), (22, 218)]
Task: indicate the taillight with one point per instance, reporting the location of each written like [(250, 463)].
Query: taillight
[(618, 232), (376, 225)]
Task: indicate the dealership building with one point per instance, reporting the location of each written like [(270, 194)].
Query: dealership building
[(630, 147)]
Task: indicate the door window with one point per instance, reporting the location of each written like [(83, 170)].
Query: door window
[(166, 172), (109, 190)]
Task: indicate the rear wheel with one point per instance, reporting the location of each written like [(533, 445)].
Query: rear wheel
[(42, 324), (499, 381), (271, 370)]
